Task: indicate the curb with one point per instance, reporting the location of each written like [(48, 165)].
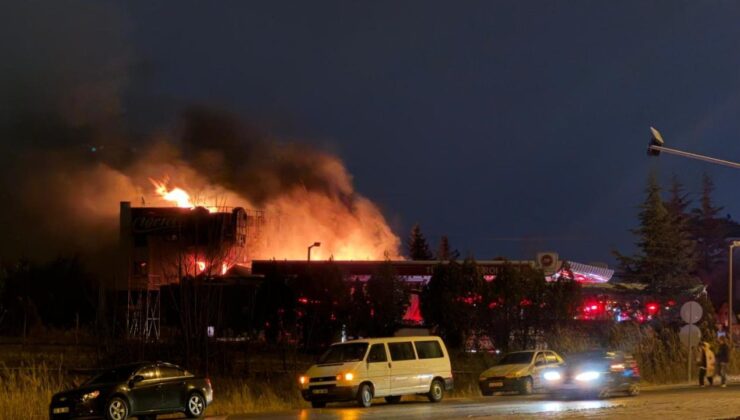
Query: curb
[(731, 382)]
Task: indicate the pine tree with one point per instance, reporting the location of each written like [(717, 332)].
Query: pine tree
[(680, 222), (666, 258), (445, 253), (678, 203), (709, 232), (418, 247)]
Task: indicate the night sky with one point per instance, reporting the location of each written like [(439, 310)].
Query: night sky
[(511, 126)]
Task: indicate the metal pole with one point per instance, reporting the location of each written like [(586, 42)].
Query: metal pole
[(688, 351), (695, 156), (729, 298), (309, 253)]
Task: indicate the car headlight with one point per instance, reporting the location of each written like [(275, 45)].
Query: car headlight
[(551, 376), (587, 376), (346, 376), (302, 380), (90, 396)]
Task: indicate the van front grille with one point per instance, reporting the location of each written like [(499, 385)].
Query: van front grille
[(323, 379)]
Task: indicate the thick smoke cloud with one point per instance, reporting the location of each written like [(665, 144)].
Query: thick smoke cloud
[(236, 156), (66, 160), (62, 73), (63, 59)]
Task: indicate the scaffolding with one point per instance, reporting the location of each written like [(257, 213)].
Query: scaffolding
[(155, 254), (144, 310)]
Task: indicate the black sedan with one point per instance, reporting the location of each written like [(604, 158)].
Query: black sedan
[(142, 390), (597, 373)]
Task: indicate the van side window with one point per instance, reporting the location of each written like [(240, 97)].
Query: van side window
[(401, 351), (377, 354), (428, 349)]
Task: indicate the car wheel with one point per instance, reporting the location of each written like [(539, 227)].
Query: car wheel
[(436, 391), (195, 406), (525, 386), (116, 409), (394, 399), (486, 392), (318, 404), (365, 395), (603, 394), (634, 390)]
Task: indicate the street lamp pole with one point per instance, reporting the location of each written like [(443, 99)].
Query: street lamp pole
[(657, 145), (730, 315), (317, 244)]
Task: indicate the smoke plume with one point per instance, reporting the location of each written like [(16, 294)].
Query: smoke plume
[(67, 158)]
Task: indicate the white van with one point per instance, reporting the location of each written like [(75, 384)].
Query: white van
[(379, 367)]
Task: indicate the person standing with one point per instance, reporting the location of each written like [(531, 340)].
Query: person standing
[(723, 359), (706, 362)]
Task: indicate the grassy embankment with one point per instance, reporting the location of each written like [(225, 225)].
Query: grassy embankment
[(29, 379)]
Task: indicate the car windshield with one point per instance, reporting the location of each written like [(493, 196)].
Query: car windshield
[(114, 375), (517, 358), (341, 353)]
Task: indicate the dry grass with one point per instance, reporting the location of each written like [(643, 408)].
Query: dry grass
[(255, 395), (27, 390)]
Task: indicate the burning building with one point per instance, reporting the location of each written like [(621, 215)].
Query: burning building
[(159, 246)]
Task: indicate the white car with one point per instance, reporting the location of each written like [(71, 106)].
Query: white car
[(390, 367), (519, 371)]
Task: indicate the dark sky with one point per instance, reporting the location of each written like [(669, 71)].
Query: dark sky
[(511, 126)]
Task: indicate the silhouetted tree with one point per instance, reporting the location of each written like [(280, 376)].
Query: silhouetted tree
[(665, 259), (709, 232), (451, 300), (275, 307), (359, 316), (680, 228), (445, 253), (418, 248), (59, 293), (564, 298), (323, 297), (388, 299)]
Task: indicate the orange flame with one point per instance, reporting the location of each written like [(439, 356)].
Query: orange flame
[(304, 217), (175, 195)]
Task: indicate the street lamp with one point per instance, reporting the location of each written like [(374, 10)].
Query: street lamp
[(317, 244), (733, 244), (657, 145)]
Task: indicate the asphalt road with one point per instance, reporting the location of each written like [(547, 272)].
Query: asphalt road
[(685, 402)]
